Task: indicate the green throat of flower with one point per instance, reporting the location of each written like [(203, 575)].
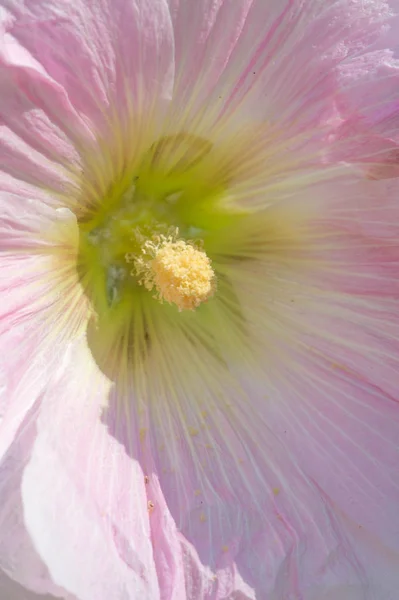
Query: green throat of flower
[(155, 231)]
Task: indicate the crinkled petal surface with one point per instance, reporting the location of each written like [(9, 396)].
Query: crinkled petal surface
[(268, 472), (92, 56)]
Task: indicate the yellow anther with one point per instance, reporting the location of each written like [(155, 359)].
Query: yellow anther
[(181, 273)]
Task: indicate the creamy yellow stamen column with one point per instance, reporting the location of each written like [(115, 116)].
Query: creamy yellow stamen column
[(181, 273)]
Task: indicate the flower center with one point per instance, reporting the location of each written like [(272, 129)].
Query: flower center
[(180, 272), (157, 240), (163, 216)]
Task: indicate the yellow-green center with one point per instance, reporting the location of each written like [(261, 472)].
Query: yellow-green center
[(153, 230)]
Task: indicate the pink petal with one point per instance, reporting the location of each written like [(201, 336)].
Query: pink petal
[(166, 545), (180, 572), (37, 121), (330, 384), (369, 107), (228, 53), (69, 78), (357, 142), (342, 431), (98, 54), (200, 582), (13, 591), (112, 544), (278, 534), (381, 563), (28, 294), (18, 556), (373, 76), (85, 504)]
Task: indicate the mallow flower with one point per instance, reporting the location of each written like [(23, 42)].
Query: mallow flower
[(199, 314)]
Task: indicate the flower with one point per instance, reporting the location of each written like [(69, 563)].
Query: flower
[(199, 235)]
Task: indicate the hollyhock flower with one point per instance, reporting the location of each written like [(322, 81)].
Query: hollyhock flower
[(199, 280)]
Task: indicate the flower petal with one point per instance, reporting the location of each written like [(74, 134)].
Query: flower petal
[(86, 499), (28, 284), (373, 75), (166, 545), (239, 55), (109, 495), (328, 381), (371, 125), (265, 467), (237, 492), (13, 591), (37, 121), (18, 556), (98, 53)]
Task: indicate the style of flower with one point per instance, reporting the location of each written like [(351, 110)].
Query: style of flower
[(199, 283)]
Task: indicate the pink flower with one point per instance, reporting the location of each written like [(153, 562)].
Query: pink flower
[(199, 282)]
